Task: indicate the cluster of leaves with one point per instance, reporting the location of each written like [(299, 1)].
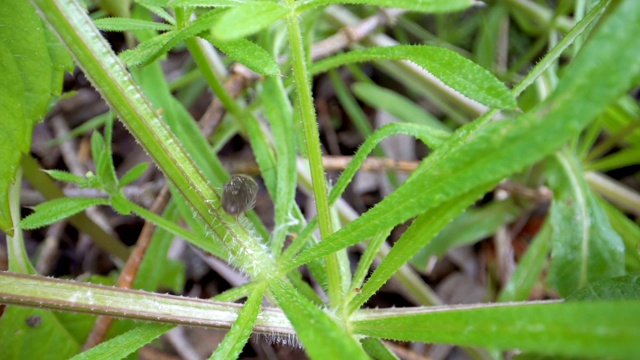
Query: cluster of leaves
[(593, 245)]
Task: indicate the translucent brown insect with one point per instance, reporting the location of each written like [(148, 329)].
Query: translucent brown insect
[(239, 194)]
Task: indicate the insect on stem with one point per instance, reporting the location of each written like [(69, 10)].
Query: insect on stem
[(239, 194)]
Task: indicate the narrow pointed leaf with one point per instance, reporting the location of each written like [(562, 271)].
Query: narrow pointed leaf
[(237, 337), (67, 176), (430, 136), (421, 231), (468, 228), (57, 209), (148, 50), (321, 335), (395, 104), (133, 174), (457, 72), (247, 53), (204, 3), (428, 6), (126, 24), (125, 344), (280, 115), (591, 329), (248, 19), (585, 246)]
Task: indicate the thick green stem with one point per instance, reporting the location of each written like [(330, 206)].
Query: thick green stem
[(67, 295)]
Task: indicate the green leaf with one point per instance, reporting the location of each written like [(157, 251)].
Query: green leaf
[(621, 288), (428, 6), (104, 162), (421, 231), (248, 19), (97, 145), (156, 269), (203, 3), (157, 10), (126, 24), (468, 228), (13, 132), (100, 150), (592, 329), (521, 282), (29, 79), (238, 335), (44, 184), (322, 337), (28, 50), (630, 233), (149, 50), (457, 72), (428, 135), (395, 104), (619, 159), (125, 344), (27, 333), (585, 247), (240, 50), (57, 209), (377, 350), (478, 155), (120, 204), (133, 174), (431, 137), (280, 115), (247, 53), (66, 176)]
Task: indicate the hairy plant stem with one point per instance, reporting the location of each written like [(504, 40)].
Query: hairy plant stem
[(304, 100), (107, 73)]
